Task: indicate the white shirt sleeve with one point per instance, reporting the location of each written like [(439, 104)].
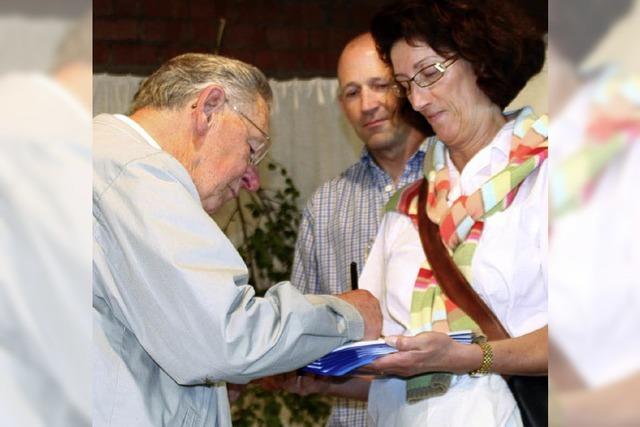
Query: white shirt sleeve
[(164, 269)]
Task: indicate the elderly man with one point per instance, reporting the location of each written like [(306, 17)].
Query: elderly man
[(173, 314), (343, 216)]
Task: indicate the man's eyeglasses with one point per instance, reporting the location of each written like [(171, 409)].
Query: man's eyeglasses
[(426, 77), (257, 149)]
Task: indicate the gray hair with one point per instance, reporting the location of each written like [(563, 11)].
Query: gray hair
[(184, 76)]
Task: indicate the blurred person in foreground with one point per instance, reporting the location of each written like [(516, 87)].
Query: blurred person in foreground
[(45, 239), (343, 215), (485, 184), (594, 250), (174, 317)]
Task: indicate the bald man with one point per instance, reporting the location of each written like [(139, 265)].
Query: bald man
[(341, 220)]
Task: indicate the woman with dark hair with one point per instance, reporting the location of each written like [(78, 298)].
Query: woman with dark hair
[(460, 63)]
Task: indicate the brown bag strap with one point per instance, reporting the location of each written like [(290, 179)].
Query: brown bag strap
[(449, 277)]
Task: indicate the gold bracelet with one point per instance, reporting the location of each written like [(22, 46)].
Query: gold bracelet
[(487, 360)]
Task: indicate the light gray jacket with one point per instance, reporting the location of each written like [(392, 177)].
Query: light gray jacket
[(173, 314)]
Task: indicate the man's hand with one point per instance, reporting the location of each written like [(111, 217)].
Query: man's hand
[(234, 391), (292, 382), (369, 309), (306, 384)]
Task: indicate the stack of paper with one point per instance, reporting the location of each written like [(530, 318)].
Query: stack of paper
[(345, 359)]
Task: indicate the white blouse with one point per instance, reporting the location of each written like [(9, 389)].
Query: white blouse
[(508, 272), (509, 267)]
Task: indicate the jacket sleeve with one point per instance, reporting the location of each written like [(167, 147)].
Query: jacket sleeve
[(168, 273)]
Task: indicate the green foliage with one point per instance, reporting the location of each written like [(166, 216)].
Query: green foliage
[(259, 407), (269, 223)]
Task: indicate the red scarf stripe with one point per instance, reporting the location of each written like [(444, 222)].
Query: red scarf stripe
[(443, 185)]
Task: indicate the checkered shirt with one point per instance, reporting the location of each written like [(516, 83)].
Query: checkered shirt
[(338, 227)]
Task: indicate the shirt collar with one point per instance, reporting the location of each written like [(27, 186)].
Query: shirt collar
[(367, 159), (145, 135), (414, 165), (484, 164)]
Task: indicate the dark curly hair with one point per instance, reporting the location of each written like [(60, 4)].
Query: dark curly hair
[(504, 47)]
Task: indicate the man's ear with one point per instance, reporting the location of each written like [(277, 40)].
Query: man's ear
[(210, 102)]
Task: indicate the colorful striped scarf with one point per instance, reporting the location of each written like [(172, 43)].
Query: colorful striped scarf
[(461, 227), (614, 124)]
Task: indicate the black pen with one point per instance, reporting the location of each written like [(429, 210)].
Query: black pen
[(354, 276)]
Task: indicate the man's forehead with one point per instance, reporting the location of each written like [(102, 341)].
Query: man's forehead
[(361, 65), (262, 110)]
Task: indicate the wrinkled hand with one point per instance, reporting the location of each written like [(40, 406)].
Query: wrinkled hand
[(292, 382), (369, 309), (425, 352)]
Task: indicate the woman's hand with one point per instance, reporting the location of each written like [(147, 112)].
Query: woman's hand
[(437, 352), (427, 352)]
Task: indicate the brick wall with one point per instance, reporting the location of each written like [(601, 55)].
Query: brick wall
[(285, 38)]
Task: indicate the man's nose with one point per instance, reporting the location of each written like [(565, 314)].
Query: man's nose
[(369, 100), (251, 178)]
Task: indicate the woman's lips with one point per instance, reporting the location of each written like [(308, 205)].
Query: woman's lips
[(374, 123), (434, 116)]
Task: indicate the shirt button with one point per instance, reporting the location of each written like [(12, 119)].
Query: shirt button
[(388, 188)]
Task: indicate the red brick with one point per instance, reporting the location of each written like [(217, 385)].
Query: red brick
[(241, 36), (361, 17), (308, 14), (184, 32), (245, 55), (167, 52), (331, 61), (265, 60), (267, 15), (101, 53), (120, 29), (160, 30), (203, 9), (314, 60), (129, 54), (201, 48), (205, 31), (287, 61), (317, 39), (126, 8), (279, 38), (338, 17), (102, 7), (165, 8), (286, 38), (338, 38)]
